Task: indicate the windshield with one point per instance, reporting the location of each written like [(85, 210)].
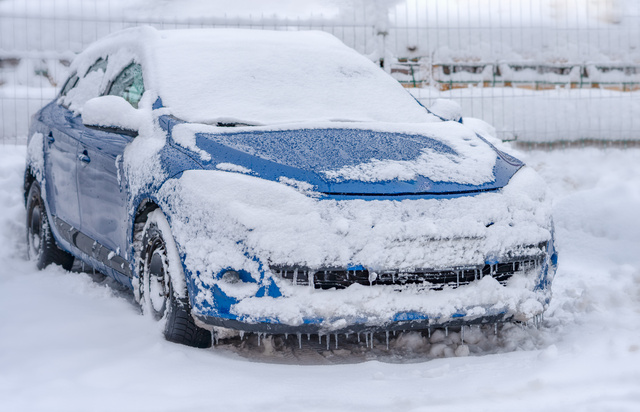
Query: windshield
[(266, 77)]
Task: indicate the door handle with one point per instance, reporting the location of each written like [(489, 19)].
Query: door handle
[(84, 157), (50, 138)]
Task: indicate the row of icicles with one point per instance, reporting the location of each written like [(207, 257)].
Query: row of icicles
[(368, 336)]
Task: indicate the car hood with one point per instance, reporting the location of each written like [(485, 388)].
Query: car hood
[(356, 160)]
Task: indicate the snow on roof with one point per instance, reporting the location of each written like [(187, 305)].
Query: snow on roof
[(261, 76)]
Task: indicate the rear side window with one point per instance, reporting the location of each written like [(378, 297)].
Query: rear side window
[(70, 84), (129, 84), (100, 64)]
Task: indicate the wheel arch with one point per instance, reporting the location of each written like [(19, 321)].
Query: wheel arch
[(29, 178), (147, 206)]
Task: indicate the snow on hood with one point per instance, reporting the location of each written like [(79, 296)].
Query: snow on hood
[(367, 152)]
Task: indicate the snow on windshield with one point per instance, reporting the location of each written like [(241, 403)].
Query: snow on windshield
[(267, 77)]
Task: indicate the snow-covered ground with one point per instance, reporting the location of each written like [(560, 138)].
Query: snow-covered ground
[(77, 342)]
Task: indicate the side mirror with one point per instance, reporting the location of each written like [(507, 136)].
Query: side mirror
[(111, 112), (447, 110)]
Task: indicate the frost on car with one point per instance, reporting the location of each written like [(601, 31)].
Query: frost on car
[(279, 182)]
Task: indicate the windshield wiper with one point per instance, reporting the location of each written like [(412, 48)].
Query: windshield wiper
[(232, 124)]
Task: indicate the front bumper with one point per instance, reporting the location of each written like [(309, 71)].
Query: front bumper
[(361, 308)]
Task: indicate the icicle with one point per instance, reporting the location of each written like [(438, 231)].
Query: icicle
[(457, 278), (495, 328), (358, 337), (295, 277), (328, 340), (308, 336), (241, 335), (319, 339), (366, 339), (394, 333), (299, 341), (215, 338), (446, 331), (336, 341), (387, 333), (286, 336), (371, 340), (462, 334), (259, 338), (429, 331)]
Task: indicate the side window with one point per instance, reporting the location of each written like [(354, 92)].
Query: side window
[(77, 91), (70, 84), (100, 64), (129, 84)]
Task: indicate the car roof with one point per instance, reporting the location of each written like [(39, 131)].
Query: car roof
[(256, 76)]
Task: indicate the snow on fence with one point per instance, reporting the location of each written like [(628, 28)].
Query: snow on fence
[(538, 70)]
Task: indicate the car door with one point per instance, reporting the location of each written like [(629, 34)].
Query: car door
[(61, 149), (101, 183)]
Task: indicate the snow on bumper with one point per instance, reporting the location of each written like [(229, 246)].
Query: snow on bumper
[(231, 229)]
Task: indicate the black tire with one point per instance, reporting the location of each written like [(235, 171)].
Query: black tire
[(157, 294), (41, 246)]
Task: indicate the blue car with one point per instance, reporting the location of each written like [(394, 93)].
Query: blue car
[(279, 182)]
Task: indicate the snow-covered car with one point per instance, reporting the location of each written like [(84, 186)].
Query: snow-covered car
[(279, 182)]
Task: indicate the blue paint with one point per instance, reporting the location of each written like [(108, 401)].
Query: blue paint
[(409, 316)]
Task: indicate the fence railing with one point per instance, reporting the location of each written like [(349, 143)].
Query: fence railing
[(538, 70)]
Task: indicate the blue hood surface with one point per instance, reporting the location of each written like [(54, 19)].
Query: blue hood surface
[(304, 154)]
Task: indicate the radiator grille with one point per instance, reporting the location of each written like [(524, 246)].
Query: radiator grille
[(435, 279)]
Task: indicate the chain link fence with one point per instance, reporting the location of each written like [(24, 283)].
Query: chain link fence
[(539, 71)]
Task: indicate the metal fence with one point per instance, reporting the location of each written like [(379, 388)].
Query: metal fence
[(539, 71)]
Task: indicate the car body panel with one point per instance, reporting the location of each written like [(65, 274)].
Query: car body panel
[(61, 152), (103, 200)]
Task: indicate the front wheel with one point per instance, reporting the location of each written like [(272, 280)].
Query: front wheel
[(162, 289), (41, 246)]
